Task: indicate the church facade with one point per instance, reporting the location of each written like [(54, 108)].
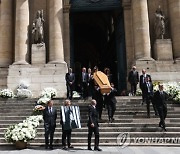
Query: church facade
[(86, 33)]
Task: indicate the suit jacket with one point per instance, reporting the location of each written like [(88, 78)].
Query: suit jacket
[(70, 78), (133, 77), (98, 97), (109, 99), (50, 118), (141, 82), (89, 79), (147, 92), (160, 99), (93, 117)]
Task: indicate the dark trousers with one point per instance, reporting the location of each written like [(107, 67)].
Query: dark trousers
[(111, 110), (143, 96), (69, 91), (148, 101), (49, 130), (162, 115), (94, 130), (84, 89), (99, 109), (133, 88), (66, 134)]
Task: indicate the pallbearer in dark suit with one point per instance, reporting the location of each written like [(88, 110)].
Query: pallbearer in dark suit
[(93, 126), (99, 100), (142, 81), (111, 103), (66, 132), (70, 80), (49, 116), (160, 98), (148, 95)]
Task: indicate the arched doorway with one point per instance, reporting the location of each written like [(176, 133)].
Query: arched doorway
[(95, 39)]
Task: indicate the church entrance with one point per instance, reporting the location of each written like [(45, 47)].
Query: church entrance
[(96, 39)]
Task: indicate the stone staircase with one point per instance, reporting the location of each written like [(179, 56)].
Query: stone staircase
[(130, 125)]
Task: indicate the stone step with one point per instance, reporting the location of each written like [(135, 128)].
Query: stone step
[(104, 141), (109, 129), (158, 133), (84, 113), (113, 125), (172, 116), (131, 120)]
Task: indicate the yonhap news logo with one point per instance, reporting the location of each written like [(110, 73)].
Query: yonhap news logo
[(124, 139)]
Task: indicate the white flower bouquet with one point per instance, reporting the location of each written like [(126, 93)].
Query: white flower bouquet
[(138, 92), (76, 94), (6, 93), (43, 100), (24, 93), (49, 92), (24, 131)]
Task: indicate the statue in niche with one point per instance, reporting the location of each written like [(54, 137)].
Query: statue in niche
[(160, 24), (38, 28)]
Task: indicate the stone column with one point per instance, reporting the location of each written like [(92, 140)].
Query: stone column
[(66, 36), (6, 33), (56, 51), (21, 32), (141, 30), (174, 12), (128, 33)]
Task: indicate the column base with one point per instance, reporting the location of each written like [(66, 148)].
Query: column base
[(57, 62), (21, 63), (145, 59)]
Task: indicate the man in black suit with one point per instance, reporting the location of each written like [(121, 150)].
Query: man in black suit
[(93, 126), (148, 95), (111, 101), (99, 100), (160, 98), (84, 83), (90, 82), (133, 79), (142, 81), (70, 80), (49, 116)]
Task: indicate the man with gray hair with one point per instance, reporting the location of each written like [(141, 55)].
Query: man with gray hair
[(133, 79)]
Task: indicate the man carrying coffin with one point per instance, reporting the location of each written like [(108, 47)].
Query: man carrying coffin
[(69, 119)]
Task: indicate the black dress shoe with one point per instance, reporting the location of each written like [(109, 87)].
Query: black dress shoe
[(97, 149), (64, 148), (51, 147), (46, 146), (89, 148), (70, 147), (164, 129)]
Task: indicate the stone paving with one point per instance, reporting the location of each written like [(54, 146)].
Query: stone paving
[(82, 150)]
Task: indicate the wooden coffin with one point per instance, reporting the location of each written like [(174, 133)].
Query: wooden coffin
[(102, 80)]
